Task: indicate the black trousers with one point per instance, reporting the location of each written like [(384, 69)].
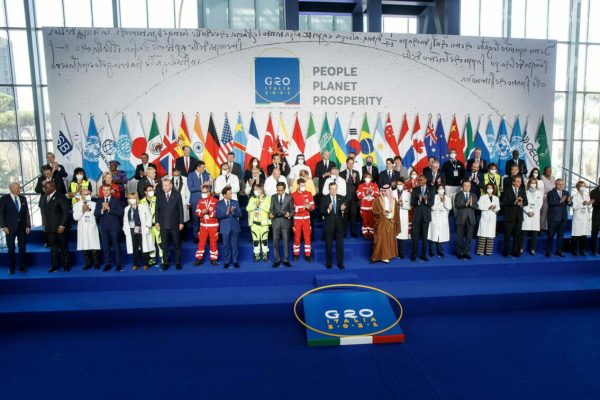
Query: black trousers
[(139, 257), (464, 236), (532, 243), (168, 236), (59, 249), (339, 247), (595, 230), (419, 231), (352, 216), (10, 243), (512, 230), (110, 244), (555, 228), (578, 245), (91, 257)]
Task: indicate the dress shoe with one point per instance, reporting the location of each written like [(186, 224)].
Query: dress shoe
[(431, 254), (460, 256), (135, 268), (119, 268), (582, 253), (560, 254), (97, 267), (276, 264), (107, 268), (22, 269), (236, 265), (198, 262), (547, 254), (328, 266), (226, 266), (67, 269), (401, 255), (355, 235), (53, 269), (532, 252), (214, 262), (178, 267), (146, 268), (308, 258), (385, 261), (87, 267), (11, 271), (424, 258), (341, 267), (164, 267), (467, 256), (295, 258), (440, 253), (287, 264)]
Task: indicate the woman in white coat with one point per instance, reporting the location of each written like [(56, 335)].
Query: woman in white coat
[(402, 197), (137, 224), (300, 165), (439, 227), (489, 205), (88, 239), (582, 219), (532, 214)]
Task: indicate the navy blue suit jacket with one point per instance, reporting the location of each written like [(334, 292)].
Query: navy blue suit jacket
[(229, 222), (9, 218), (195, 186), (110, 221), (557, 211)]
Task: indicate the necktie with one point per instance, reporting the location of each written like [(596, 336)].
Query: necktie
[(349, 175), (369, 170), (227, 204), (334, 203), (17, 204), (168, 196), (106, 200), (516, 192), (390, 174), (280, 200), (466, 196), (326, 164), (422, 191), (187, 164)]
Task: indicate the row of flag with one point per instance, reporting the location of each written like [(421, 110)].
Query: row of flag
[(94, 148)]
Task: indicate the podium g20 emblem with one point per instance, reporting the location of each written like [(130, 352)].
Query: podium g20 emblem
[(277, 80)]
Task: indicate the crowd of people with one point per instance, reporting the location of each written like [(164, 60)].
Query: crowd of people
[(394, 205)]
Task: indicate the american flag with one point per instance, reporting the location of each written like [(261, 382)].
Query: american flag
[(226, 142)]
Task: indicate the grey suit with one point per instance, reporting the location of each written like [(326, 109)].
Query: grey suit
[(465, 221), (281, 224)]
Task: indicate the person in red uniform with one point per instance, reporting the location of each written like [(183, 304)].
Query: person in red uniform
[(304, 203), (367, 192), (206, 210)]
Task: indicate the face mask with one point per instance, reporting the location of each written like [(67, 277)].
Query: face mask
[(301, 161), (440, 191), (132, 201), (368, 180), (256, 193), (87, 198), (492, 171), (400, 187), (490, 190), (225, 172), (532, 187), (581, 189), (255, 164), (452, 156), (413, 177), (79, 177), (151, 194), (535, 175), (302, 188), (369, 163), (204, 195)]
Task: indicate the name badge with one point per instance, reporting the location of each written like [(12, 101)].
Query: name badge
[(455, 172), (137, 229), (131, 224)]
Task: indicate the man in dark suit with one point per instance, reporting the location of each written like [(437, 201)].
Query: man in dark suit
[(109, 213), (149, 180), (371, 169), (282, 165), (507, 180), (516, 161), (58, 170), (323, 170), (434, 176), (558, 200), (236, 168), (186, 163), (169, 220), (55, 209), (15, 222), (281, 212), (352, 179), (430, 161), (475, 176), (388, 175), (421, 201), (513, 200), (228, 214), (483, 164), (47, 176), (333, 207), (465, 204), (140, 169), (595, 198)]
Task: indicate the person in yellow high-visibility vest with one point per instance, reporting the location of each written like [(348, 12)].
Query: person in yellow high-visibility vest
[(150, 201)]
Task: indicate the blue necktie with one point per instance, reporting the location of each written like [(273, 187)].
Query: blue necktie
[(17, 204), (334, 205)]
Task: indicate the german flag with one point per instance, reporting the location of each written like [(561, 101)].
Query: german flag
[(211, 150)]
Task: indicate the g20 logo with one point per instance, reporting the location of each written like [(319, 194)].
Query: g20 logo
[(277, 80), (350, 314)]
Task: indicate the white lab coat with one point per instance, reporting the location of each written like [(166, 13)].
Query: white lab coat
[(185, 198), (232, 181), (271, 185), (341, 185), (582, 215), (87, 230), (487, 222), (439, 227), (404, 209), (535, 200), (146, 220)]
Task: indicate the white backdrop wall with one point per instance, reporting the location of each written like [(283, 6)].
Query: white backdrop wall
[(114, 71)]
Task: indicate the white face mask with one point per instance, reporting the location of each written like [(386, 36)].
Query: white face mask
[(87, 197), (400, 187), (302, 188), (490, 190), (204, 195), (535, 175), (79, 177), (532, 187), (440, 191), (492, 171), (368, 180), (413, 176), (581, 189), (151, 194), (255, 163), (225, 172), (132, 201), (453, 155), (256, 193), (301, 161)]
